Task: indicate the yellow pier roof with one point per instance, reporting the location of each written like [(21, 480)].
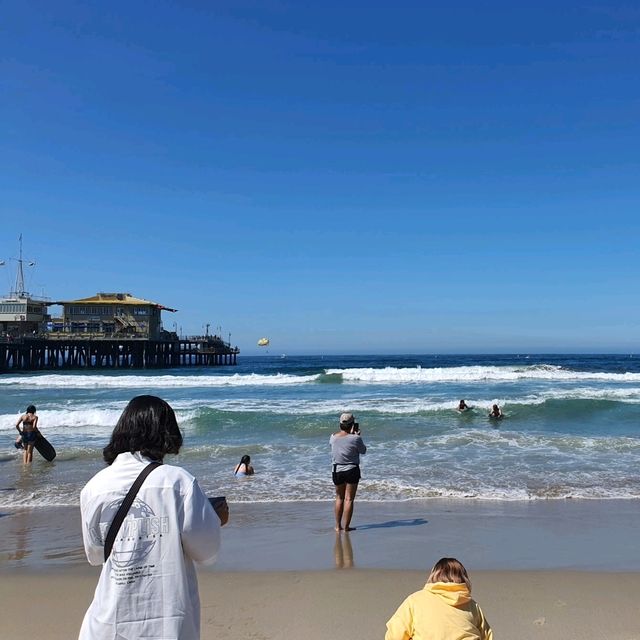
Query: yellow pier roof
[(115, 298)]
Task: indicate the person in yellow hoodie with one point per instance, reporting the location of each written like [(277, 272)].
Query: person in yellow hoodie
[(443, 610)]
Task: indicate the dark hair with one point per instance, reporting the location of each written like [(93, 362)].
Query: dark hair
[(31, 409), (148, 425), (245, 460)]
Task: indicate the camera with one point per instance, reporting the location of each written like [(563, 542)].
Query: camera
[(217, 502), (220, 506), (355, 428)]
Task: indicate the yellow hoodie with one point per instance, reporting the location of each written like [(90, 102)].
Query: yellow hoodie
[(441, 611)]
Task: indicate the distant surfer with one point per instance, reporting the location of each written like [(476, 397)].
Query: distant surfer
[(28, 433), (463, 406), (496, 412)]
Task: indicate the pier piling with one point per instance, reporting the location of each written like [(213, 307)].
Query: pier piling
[(36, 354)]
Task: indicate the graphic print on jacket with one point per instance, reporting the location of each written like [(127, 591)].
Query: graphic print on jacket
[(138, 534)]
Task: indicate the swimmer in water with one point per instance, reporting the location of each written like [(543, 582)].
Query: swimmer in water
[(496, 412), (244, 467)]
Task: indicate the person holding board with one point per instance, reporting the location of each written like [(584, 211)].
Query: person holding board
[(28, 433)]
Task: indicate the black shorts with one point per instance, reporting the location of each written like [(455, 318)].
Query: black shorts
[(352, 476), (29, 437)]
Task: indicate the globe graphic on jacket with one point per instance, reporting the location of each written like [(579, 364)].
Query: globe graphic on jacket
[(134, 548)]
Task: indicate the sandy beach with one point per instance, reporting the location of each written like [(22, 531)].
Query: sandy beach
[(317, 605), (552, 570)]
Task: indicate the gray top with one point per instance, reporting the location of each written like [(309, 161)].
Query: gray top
[(346, 450)]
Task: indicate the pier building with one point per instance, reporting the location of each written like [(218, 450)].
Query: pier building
[(110, 315), (22, 315)]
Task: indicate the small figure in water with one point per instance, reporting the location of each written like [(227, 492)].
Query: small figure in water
[(29, 432), (463, 406), (244, 467), (496, 412)]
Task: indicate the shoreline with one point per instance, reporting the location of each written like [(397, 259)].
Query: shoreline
[(587, 535)]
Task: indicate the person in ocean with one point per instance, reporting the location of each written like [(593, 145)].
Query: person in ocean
[(28, 433), (346, 447), (244, 468), (442, 610), (463, 406), (496, 412)]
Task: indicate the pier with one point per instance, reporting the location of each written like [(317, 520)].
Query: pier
[(103, 331), (48, 353)]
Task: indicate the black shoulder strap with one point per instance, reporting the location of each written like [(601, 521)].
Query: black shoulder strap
[(125, 506)]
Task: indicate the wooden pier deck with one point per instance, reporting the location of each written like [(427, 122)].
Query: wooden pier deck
[(39, 354)]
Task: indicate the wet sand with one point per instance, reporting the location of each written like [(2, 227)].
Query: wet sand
[(598, 535)]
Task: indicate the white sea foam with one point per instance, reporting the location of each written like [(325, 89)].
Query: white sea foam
[(492, 440), (387, 375), (402, 405), (470, 463), (64, 381), (406, 375), (88, 419), (81, 420), (373, 488)]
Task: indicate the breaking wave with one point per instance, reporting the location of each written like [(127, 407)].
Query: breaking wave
[(395, 375)]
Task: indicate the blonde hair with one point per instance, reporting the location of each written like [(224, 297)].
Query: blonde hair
[(449, 570)]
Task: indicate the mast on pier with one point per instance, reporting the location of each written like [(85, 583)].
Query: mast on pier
[(19, 290), (20, 313)]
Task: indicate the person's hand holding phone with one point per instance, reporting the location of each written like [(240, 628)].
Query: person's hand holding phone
[(221, 508)]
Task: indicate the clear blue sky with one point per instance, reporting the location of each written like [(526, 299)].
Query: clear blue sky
[(340, 177)]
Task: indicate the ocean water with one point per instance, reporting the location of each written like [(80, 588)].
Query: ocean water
[(571, 426)]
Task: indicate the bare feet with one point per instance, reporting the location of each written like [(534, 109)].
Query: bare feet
[(338, 529)]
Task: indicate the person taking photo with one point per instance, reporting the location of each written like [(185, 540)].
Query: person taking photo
[(346, 447)]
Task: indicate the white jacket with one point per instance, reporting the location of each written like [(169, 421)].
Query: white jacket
[(148, 587)]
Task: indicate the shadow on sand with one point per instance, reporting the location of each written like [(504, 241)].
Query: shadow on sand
[(409, 522)]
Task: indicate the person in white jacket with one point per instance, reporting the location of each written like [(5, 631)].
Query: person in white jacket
[(148, 586)]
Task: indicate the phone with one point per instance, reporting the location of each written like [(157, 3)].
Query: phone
[(217, 502)]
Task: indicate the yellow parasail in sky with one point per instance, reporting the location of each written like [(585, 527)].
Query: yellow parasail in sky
[(263, 342)]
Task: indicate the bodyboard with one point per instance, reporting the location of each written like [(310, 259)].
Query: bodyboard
[(44, 448)]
